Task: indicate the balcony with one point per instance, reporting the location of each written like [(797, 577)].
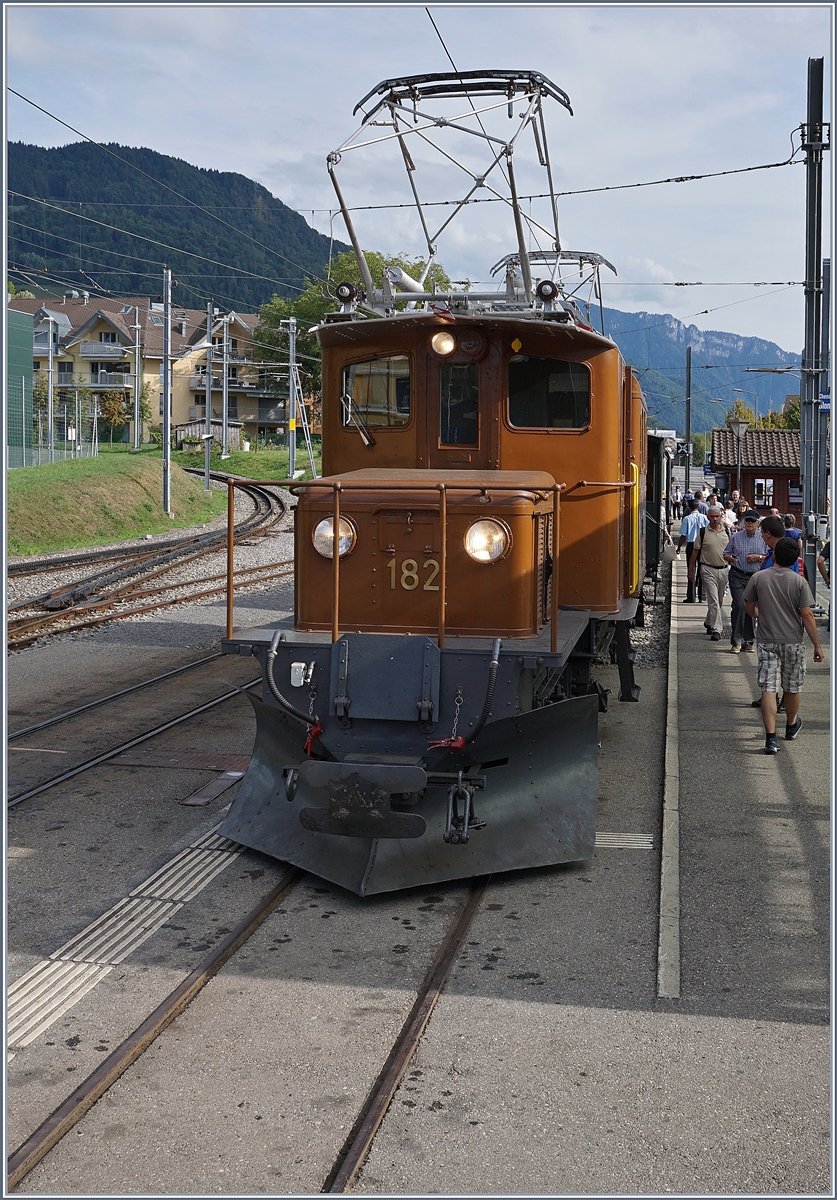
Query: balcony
[(197, 383), (102, 350), (111, 379)]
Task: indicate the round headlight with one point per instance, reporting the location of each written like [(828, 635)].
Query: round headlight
[(323, 537), (443, 343), (487, 541)]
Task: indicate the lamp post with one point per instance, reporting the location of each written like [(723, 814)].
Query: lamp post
[(739, 427), (755, 395)]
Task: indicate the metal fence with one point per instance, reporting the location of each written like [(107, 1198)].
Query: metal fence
[(75, 426)]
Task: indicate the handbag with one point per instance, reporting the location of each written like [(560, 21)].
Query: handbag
[(669, 553)]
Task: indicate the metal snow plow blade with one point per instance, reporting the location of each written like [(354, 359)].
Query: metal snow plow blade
[(536, 807)]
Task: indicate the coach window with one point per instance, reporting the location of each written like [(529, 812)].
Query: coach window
[(545, 393), (377, 392), (459, 423)]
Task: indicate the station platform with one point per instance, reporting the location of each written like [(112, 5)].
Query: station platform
[(754, 842)]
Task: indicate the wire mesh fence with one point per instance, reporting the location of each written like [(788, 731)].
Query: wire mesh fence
[(38, 433)]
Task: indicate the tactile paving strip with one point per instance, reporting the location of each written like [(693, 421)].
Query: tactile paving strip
[(624, 841), (52, 987)]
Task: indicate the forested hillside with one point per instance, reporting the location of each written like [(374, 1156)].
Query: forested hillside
[(655, 345), (271, 249)]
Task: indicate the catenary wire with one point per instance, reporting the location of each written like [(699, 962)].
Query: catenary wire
[(159, 183)]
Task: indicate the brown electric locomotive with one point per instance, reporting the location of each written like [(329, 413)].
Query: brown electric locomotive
[(429, 711)]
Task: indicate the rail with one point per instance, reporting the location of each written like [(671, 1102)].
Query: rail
[(338, 487)]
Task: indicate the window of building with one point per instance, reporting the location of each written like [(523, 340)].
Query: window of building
[(794, 492), (126, 308), (459, 423), (377, 392), (36, 366), (108, 337), (65, 369), (763, 493), (156, 320), (545, 393)]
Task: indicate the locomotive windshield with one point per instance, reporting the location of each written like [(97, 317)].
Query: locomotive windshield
[(377, 391), (459, 422), (545, 393)]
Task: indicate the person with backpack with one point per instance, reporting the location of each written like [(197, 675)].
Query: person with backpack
[(708, 558)]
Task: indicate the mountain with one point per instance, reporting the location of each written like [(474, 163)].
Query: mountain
[(81, 180), (655, 345)]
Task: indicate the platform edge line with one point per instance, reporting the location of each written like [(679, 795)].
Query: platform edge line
[(668, 941)]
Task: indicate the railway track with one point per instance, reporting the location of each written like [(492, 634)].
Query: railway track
[(353, 1153), (108, 594), (146, 736)]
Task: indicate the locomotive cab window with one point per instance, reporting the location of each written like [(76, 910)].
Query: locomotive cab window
[(545, 393), (377, 392), (459, 423)]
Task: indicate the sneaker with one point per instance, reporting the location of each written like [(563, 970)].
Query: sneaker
[(771, 744), (735, 649), (792, 731), (688, 601), (747, 647), (714, 637)]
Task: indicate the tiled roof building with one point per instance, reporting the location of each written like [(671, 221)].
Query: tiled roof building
[(769, 467), (93, 346)]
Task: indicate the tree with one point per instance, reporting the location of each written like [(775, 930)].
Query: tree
[(145, 413), (15, 294), (113, 410), (318, 298), (740, 409)]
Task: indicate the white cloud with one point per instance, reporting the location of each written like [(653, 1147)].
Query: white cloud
[(657, 91)]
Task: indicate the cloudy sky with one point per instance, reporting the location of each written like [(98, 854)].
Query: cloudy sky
[(657, 91)]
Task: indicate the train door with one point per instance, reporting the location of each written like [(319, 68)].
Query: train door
[(458, 420)]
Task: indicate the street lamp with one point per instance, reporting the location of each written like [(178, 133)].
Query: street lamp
[(755, 395), (739, 427)]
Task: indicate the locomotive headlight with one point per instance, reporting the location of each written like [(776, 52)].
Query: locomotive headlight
[(443, 343), (323, 537), (487, 541)]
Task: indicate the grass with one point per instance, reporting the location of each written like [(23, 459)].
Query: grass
[(255, 464), (91, 501)]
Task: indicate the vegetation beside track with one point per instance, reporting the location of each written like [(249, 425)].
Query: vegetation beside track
[(254, 464), (91, 501)]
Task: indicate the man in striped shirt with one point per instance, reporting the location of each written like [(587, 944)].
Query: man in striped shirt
[(744, 553)]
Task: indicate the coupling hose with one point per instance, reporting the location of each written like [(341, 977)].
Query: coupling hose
[(489, 695), (308, 718)]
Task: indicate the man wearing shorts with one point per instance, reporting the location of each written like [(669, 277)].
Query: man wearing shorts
[(782, 601)]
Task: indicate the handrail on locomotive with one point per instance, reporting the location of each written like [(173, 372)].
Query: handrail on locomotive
[(338, 486)]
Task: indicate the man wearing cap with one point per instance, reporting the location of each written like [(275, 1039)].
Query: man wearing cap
[(744, 553), (781, 599), (708, 555)]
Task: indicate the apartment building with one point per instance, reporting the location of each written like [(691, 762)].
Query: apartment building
[(106, 344)]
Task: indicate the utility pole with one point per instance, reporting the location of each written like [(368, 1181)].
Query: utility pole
[(824, 390), (167, 392), (50, 411), (137, 376), (688, 415), (812, 143), (292, 398), (207, 437), (225, 395)]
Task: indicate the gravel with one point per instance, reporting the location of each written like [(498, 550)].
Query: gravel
[(201, 624)]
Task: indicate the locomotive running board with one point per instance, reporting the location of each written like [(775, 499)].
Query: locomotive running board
[(539, 805)]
